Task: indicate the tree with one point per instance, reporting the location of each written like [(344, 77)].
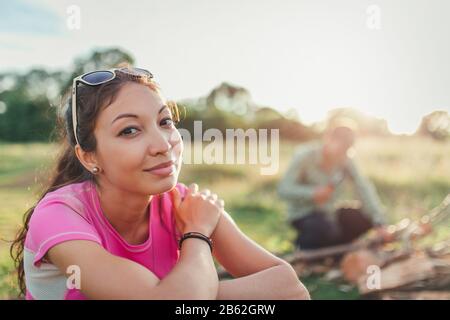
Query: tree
[(230, 98), (364, 124), (29, 101), (98, 59), (435, 125), (25, 119)]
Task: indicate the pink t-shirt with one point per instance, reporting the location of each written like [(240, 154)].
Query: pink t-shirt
[(73, 212)]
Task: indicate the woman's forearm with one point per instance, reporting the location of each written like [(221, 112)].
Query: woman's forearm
[(279, 283), (194, 276)]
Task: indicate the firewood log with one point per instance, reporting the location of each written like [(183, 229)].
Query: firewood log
[(415, 268)]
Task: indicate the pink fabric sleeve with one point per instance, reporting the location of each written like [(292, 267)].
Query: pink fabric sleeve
[(53, 223)]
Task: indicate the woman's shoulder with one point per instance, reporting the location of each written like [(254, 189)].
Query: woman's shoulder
[(74, 198), (69, 194), (60, 216)]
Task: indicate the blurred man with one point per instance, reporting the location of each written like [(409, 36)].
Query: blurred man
[(314, 183)]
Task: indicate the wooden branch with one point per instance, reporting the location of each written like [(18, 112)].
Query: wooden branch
[(419, 295), (328, 252), (398, 274), (355, 264), (417, 272), (310, 255)]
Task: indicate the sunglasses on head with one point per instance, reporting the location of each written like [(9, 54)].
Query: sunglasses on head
[(95, 78)]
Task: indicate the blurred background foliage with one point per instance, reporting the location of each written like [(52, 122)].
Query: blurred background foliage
[(30, 100), (411, 173)]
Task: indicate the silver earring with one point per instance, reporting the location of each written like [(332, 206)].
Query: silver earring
[(95, 170)]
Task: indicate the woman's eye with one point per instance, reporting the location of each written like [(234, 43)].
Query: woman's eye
[(167, 122), (128, 131)]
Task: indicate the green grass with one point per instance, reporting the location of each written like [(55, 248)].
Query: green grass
[(412, 175), (320, 288), (21, 167)]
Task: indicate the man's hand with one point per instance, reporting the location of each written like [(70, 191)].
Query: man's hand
[(322, 194), (382, 232)]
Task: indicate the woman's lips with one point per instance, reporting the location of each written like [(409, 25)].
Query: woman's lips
[(163, 169)]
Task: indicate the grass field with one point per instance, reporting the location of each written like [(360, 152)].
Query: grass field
[(411, 174)]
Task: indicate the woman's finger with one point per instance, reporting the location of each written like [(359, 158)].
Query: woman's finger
[(176, 197), (193, 188), (220, 203), (213, 197), (206, 192)]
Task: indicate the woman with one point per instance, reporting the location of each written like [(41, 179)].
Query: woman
[(109, 224)]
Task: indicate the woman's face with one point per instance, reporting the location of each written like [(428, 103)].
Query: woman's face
[(138, 147)]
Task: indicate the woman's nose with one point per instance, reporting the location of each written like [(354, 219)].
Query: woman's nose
[(159, 144)]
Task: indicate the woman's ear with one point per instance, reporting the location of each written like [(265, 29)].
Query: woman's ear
[(87, 159)]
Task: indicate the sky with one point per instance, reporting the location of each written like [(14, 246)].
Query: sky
[(387, 58)]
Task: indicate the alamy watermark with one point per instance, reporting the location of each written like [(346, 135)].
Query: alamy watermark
[(373, 281), (73, 21), (74, 279), (373, 21), (239, 146)]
